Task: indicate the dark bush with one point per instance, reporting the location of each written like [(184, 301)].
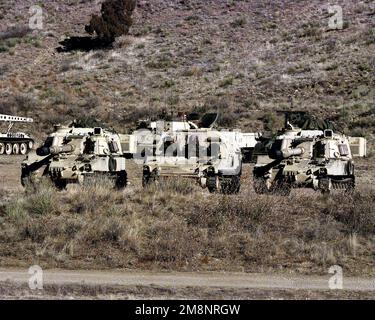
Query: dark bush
[(115, 20)]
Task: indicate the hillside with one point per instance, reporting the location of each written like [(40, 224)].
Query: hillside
[(244, 58)]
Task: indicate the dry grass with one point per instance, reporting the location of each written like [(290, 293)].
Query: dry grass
[(176, 226)]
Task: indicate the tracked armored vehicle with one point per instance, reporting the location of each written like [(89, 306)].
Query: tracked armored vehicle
[(315, 157), (76, 155), (141, 142), (208, 156), (14, 143)]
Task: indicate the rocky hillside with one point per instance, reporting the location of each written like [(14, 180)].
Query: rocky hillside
[(244, 58)]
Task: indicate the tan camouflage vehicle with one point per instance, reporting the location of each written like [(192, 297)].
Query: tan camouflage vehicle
[(305, 158), (208, 156), (140, 142), (74, 155)]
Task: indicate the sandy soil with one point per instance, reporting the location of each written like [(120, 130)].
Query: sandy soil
[(63, 284)]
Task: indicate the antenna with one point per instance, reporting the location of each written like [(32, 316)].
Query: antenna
[(6, 118), (291, 101), (12, 119)]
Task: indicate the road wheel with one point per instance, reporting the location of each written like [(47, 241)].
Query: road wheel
[(31, 145), (16, 148), (325, 185), (236, 181), (213, 183), (145, 179), (149, 178), (8, 149), (25, 178), (121, 180), (2, 148), (350, 187), (230, 185), (23, 148), (28, 178), (60, 184)]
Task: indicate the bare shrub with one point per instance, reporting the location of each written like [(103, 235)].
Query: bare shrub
[(94, 196), (34, 229), (177, 185), (227, 120), (355, 211), (322, 228), (16, 210), (139, 114), (4, 68), (323, 254), (18, 103), (171, 242), (91, 102), (112, 229), (42, 200), (72, 227), (67, 65), (104, 229), (239, 210), (217, 103), (15, 32)]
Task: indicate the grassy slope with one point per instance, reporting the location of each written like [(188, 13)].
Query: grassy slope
[(243, 57)]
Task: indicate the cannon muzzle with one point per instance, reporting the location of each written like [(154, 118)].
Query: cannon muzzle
[(67, 148), (287, 153), (285, 150)]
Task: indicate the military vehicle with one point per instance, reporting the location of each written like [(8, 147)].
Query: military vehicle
[(75, 155), (141, 142), (314, 157), (206, 155), (358, 147), (13, 143)]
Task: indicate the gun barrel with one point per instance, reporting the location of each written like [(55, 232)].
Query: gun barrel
[(62, 149), (286, 153)]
